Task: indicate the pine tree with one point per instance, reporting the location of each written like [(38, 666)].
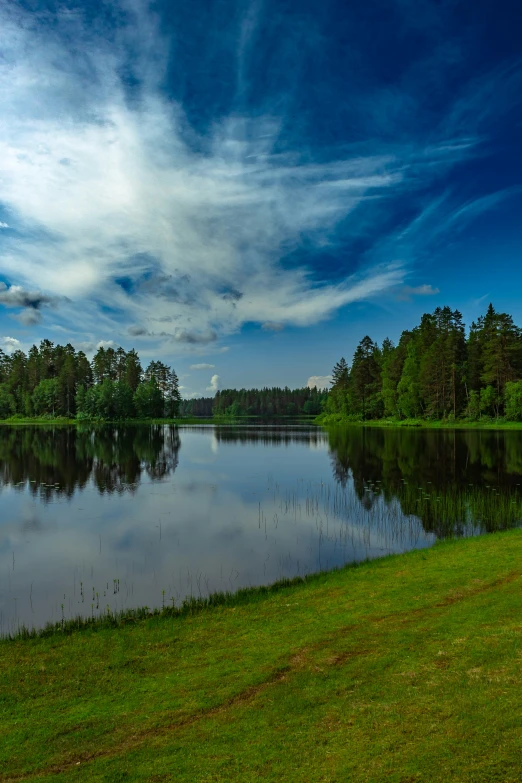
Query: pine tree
[(341, 375), (133, 370), (365, 380), (392, 367), (501, 351), (408, 388)]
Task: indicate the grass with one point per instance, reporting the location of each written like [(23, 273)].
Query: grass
[(15, 420), (404, 669), (335, 419), (49, 421)]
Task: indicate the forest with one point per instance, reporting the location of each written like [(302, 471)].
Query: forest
[(269, 402), (436, 371), (266, 402), (55, 380)]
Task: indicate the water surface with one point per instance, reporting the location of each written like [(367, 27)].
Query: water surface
[(119, 517)]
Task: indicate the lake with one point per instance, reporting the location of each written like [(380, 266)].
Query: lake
[(146, 515)]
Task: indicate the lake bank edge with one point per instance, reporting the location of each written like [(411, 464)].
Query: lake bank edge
[(336, 420), (243, 597), (323, 420)]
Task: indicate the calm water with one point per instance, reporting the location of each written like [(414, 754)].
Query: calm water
[(130, 516)]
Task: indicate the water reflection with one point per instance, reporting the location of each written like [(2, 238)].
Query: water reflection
[(83, 510), (60, 460), (456, 482)]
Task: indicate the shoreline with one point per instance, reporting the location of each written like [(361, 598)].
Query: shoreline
[(324, 420), (245, 596), (108, 620), (64, 421), (334, 420)]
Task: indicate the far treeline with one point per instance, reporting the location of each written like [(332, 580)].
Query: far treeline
[(258, 402), (56, 380), (435, 372)]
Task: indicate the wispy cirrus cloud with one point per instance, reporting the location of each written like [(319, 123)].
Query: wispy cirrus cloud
[(121, 209)]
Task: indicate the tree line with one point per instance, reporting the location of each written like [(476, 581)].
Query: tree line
[(197, 407), (269, 402), (436, 371), (56, 380)]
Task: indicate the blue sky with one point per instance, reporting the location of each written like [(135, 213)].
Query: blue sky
[(245, 189)]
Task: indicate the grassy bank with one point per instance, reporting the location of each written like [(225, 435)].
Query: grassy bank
[(15, 420), (335, 419), (402, 669)]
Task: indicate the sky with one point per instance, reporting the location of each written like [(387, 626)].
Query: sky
[(245, 188)]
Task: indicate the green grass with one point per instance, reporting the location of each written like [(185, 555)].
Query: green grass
[(404, 669), (49, 421), (335, 419), (15, 420)]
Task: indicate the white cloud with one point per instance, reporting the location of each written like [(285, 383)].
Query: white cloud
[(214, 384), (202, 366), (4, 225), (321, 381), (10, 344)]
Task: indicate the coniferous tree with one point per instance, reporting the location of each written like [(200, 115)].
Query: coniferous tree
[(341, 375), (338, 398), (133, 370), (365, 380), (392, 367), (501, 351), (408, 388)]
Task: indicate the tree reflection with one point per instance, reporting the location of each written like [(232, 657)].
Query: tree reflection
[(449, 479), (61, 460)]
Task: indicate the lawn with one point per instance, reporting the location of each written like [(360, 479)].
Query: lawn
[(404, 669)]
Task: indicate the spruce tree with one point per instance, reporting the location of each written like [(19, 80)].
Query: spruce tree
[(341, 375)]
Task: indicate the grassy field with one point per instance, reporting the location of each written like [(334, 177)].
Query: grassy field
[(404, 669)]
